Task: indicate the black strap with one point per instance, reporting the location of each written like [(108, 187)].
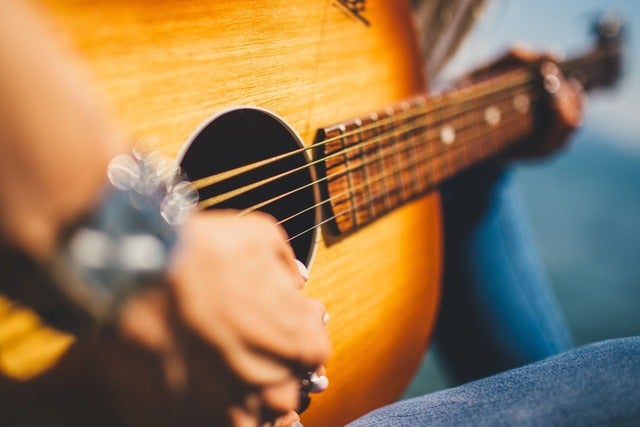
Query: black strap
[(25, 281)]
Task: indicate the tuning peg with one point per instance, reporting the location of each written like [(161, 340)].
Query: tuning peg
[(609, 27)]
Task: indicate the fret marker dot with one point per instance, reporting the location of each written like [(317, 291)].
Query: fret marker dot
[(448, 135), (492, 115), (521, 103)]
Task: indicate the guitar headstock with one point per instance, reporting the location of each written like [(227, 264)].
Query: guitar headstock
[(609, 29), (602, 65)]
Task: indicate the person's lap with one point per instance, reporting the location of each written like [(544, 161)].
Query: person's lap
[(499, 313), (598, 384), (498, 310)]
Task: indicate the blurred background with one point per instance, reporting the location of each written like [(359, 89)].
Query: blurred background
[(584, 203)]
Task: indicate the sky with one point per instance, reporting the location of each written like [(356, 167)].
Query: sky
[(565, 25)]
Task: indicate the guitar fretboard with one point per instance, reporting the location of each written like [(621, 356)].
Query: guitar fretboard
[(382, 160)]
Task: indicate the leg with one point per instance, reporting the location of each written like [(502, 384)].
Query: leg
[(598, 384), (498, 311)]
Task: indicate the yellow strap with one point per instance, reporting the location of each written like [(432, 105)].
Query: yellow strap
[(28, 347)]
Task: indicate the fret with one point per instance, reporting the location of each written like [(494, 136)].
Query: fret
[(391, 155), (430, 145), (473, 151), (419, 144), (339, 185), (373, 171), (353, 162), (463, 122), (374, 134), (491, 123), (444, 135), (514, 124), (406, 150), (368, 191), (403, 153)]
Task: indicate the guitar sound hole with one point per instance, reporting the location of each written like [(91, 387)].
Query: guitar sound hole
[(243, 136)]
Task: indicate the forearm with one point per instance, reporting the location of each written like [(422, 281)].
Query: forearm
[(55, 139)]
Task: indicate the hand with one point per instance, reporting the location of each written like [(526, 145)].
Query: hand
[(292, 418), (228, 339), (562, 111)]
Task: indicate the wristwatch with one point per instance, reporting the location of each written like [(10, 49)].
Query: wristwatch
[(123, 245)]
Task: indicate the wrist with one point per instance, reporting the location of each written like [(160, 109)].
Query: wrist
[(119, 247), (123, 245)]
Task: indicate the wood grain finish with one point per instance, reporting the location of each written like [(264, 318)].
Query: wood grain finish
[(167, 66)]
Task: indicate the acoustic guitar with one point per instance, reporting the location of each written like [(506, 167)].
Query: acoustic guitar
[(318, 113)]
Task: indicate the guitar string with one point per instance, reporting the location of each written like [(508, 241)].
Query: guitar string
[(385, 174), (407, 121), (428, 141), (407, 125), (390, 119), (366, 201), (476, 90), (371, 199)]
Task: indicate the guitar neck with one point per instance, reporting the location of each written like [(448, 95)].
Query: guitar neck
[(377, 162)]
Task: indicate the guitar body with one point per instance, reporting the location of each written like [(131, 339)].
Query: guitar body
[(168, 66)]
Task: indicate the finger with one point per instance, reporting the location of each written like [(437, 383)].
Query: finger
[(285, 251), (266, 356), (522, 53), (303, 271), (293, 265), (289, 329), (308, 341), (258, 368), (324, 314), (579, 98), (519, 54), (282, 397), (239, 417), (568, 103), (291, 419), (267, 227)]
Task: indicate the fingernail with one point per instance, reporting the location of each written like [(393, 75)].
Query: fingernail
[(325, 318), (297, 424), (303, 270)]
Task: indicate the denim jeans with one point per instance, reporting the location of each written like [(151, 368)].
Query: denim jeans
[(498, 313), (598, 384)]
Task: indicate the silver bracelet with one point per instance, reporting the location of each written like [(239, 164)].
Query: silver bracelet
[(124, 244)]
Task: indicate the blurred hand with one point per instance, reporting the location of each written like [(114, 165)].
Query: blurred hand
[(227, 341), (562, 111)]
